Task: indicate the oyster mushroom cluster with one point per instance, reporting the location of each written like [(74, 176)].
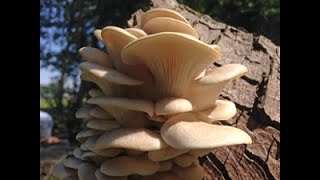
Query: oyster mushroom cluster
[(155, 109)]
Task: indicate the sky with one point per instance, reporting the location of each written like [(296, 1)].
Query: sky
[(45, 76)]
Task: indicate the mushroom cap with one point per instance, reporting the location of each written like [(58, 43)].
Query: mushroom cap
[(84, 134), (83, 112), (95, 56), (72, 162), (95, 92), (78, 153), (160, 12), (86, 171), (90, 142), (99, 113), (101, 124), (165, 166), (101, 176), (97, 34), (172, 105), (165, 154), (140, 139), (204, 92), (200, 152), (185, 131), (194, 172), (174, 59), (163, 176), (126, 165), (136, 32), (61, 171), (166, 24), (223, 110), (185, 160)]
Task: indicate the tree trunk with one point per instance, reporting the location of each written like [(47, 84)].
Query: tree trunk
[(256, 95)]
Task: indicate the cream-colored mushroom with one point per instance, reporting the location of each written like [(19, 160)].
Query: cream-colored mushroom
[(106, 78), (172, 105), (99, 113), (90, 143), (84, 112), (223, 110), (160, 12), (185, 160), (194, 172), (128, 112), (131, 138), (72, 162), (126, 165), (204, 92), (97, 34), (185, 131), (174, 59), (136, 32), (61, 171), (102, 124), (95, 93), (200, 152), (101, 176), (165, 166), (95, 56), (110, 152), (86, 171), (166, 153), (163, 176), (165, 24)]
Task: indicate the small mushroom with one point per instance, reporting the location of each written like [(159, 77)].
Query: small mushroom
[(128, 112), (110, 152), (101, 176), (72, 162), (78, 152), (165, 24), (139, 139), (90, 142), (61, 171), (96, 93), (99, 113), (97, 34), (86, 171), (165, 154), (223, 110), (126, 165), (160, 12), (96, 56), (101, 124), (172, 105), (84, 134), (194, 172), (136, 32), (200, 152), (83, 112), (185, 160), (185, 131)]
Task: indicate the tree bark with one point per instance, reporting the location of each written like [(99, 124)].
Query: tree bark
[(256, 95)]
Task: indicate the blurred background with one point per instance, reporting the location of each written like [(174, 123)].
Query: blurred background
[(68, 25)]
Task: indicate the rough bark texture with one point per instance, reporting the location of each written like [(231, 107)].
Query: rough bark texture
[(256, 95)]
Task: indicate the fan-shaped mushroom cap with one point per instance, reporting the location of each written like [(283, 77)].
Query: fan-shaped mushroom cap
[(160, 12), (90, 143), (204, 92), (78, 152), (101, 176), (136, 32), (101, 124), (61, 171), (95, 93), (194, 172), (174, 59), (185, 160), (99, 113), (83, 112), (165, 154), (86, 171), (162, 176), (110, 152), (172, 105), (185, 131), (72, 162), (84, 134), (165, 166), (126, 165), (137, 139), (165, 24), (97, 34), (223, 110), (200, 152), (95, 56), (128, 112), (93, 157)]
